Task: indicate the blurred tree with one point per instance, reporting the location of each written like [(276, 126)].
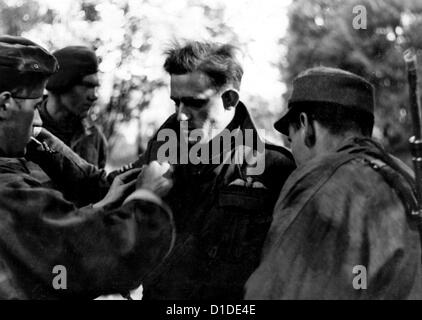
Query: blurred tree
[(321, 32), (20, 17), (128, 37)]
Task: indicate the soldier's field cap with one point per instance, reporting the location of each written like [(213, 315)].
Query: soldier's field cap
[(75, 63), (24, 65), (329, 85)]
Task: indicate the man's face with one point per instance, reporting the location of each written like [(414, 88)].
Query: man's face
[(199, 103), (81, 97), (300, 151), (22, 119)]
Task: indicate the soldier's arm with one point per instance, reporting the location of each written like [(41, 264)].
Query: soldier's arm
[(144, 158), (80, 181), (104, 249)]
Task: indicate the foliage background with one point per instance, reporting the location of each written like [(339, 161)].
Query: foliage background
[(279, 39), (320, 32)]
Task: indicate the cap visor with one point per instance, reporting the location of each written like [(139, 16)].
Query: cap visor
[(282, 125)]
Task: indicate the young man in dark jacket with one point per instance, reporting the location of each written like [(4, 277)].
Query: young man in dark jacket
[(72, 91), (227, 177)]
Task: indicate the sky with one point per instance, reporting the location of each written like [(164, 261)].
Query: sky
[(264, 21)]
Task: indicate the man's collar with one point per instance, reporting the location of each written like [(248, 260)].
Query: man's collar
[(241, 120), (355, 143), (73, 125)]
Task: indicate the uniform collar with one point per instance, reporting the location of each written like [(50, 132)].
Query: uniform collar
[(241, 121), (73, 126)]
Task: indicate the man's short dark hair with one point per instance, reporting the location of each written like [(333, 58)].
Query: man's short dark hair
[(336, 118), (217, 61)]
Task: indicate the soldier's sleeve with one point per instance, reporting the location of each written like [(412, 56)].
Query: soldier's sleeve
[(102, 250), (146, 157), (79, 181), (143, 159), (138, 163)]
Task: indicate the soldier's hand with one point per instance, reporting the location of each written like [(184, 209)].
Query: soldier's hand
[(122, 186), (38, 144), (41, 133), (156, 177)]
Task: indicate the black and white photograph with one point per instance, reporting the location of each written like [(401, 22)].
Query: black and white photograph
[(209, 155)]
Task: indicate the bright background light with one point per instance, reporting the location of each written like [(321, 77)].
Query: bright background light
[(258, 25)]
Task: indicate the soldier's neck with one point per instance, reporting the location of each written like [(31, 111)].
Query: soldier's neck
[(328, 143), (57, 110)]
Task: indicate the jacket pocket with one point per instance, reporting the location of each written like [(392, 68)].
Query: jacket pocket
[(236, 230)]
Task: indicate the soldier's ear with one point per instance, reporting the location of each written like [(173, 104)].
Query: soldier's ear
[(309, 129), (5, 102), (230, 98)]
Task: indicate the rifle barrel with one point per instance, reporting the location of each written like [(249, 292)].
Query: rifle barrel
[(415, 112), (411, 63)]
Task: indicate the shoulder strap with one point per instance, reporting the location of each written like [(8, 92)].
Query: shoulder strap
[(400, 183), (396, 181)]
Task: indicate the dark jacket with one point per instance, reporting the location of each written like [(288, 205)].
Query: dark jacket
[(222, 213), (104, 251), (335, 215), (86, 139)]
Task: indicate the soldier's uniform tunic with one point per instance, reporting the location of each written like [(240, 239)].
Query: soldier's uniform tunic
[(336, 215)]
